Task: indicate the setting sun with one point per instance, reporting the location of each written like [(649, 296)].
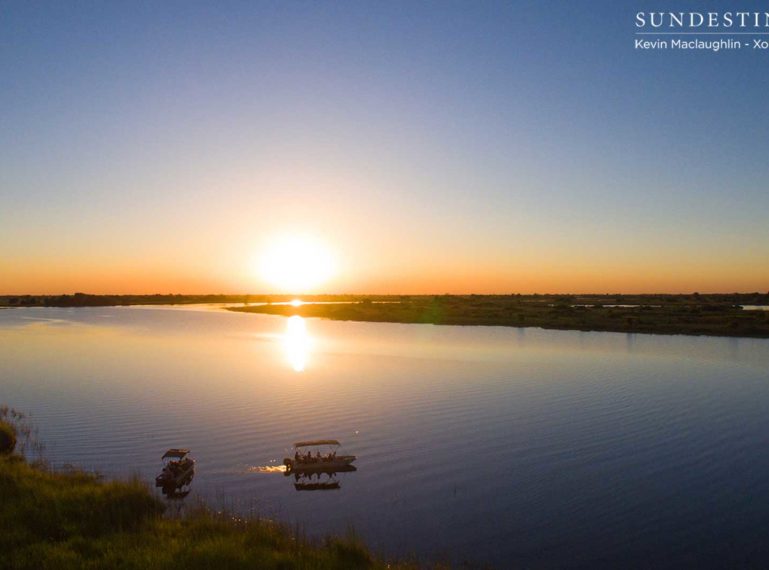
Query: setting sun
[(296, 264)]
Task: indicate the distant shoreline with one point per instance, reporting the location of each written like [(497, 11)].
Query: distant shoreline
[(696, 315)]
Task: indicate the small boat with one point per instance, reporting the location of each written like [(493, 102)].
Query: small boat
[(318, 456), (178, 469)]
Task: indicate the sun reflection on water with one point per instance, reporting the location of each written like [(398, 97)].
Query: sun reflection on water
[(297, 343), (266, 469)]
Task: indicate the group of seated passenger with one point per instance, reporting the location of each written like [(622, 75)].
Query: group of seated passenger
[(176, 467), (317, 458)]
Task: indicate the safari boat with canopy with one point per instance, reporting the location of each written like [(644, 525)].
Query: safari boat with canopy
[(178, 469), (320, 455)]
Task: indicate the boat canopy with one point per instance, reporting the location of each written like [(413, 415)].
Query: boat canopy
[(176, 453), (316, 442)]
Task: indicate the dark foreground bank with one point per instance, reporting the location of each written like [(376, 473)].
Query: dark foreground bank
[(74, 520)]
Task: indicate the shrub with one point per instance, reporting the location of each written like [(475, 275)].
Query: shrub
[(7, 438)]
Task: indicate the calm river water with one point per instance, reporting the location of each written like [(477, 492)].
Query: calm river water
[(515, 447)]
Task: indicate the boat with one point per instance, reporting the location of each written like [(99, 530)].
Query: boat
[(319, 456), (178, 469)]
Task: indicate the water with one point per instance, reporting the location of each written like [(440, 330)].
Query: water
[(516, 447)]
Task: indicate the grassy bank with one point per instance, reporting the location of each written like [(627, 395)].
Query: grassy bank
[(74, 520), (714, 315)]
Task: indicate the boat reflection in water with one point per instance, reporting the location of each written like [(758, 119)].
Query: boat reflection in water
[(319, 481), (317, 471), (169, 493)]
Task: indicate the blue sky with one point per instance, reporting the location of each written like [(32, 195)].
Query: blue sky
[(466, 146)]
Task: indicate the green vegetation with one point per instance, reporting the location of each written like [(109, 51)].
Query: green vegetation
[(7, 438), (715, 315), (75, 520), (18, 433)]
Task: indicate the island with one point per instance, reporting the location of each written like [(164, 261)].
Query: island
[(712, 315)]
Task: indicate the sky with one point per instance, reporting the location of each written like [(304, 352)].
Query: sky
[(433, 147)]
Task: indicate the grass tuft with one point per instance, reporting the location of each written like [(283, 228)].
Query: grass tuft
[(7, 438)]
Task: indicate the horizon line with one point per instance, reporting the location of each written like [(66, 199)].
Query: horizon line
[(498, 294)]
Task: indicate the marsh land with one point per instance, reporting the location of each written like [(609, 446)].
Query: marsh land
[(714, 315)]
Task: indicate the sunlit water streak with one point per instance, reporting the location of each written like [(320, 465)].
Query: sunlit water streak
[(513, 446), (269, 469), (297, 343)]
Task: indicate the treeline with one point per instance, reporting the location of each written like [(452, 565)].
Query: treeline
[(89, 300)]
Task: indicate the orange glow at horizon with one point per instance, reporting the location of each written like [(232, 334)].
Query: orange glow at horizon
[(20, 280), (392, 266)]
